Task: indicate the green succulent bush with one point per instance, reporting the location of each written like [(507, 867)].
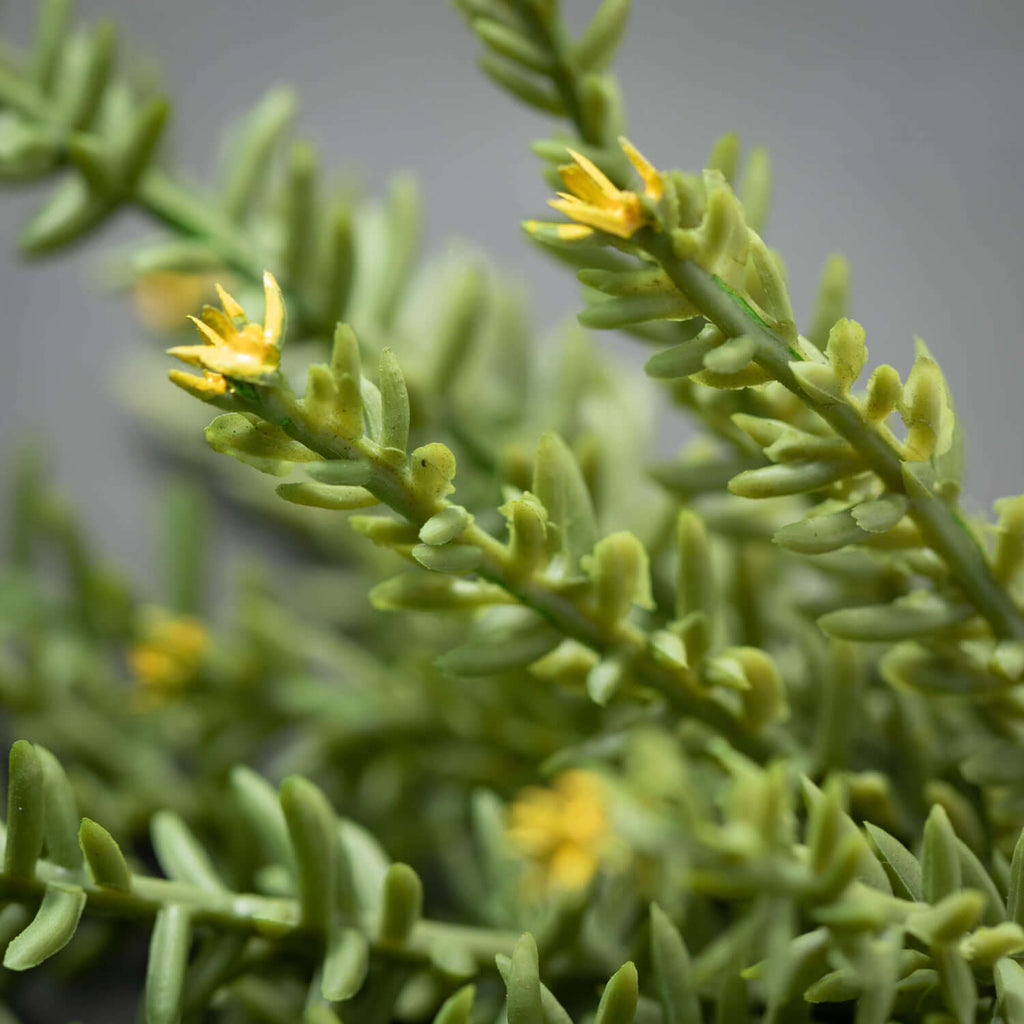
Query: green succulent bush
[(734, 737)]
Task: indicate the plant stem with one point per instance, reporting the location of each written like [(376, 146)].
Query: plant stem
[(263, 916), (178, 206), (552, 38), (569, 616), (940, 524)]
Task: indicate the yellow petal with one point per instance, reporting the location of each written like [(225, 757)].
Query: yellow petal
[(596, 175), (151, 665), (221, 323), (273, 319), (191, 354), (580, 184), (237, 365), (654, 184), (622, 222), (230, 304), (572, 867), (574, 232), (209, 386), (187, 382), (185, 636), (210, 336), (565, 202)]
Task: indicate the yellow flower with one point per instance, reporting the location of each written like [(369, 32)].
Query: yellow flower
[(168, 659), (164, 297), (564, 831), (593, 200), (233, 347)]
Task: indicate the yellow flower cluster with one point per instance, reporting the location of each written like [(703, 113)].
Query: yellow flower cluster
[(593, 201), (233, 348), (168, 659), (563, 832)]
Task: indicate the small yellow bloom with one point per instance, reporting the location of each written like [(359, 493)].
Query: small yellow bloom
[(593, 200), (167, 660), (164, 297), (233, 347), (564, 832)]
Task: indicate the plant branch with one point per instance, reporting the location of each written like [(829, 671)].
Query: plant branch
[(393, 486), (260, 916), (940, 524), (166, 199)]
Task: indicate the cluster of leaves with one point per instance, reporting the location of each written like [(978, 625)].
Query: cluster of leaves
[(136, 745), (793, 665), (785, 907)]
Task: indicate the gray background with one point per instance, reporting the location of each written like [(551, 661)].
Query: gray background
[(894, 125)]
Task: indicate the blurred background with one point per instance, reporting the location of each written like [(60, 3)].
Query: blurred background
[(895, 130)]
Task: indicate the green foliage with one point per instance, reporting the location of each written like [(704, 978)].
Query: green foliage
[(763, 699)]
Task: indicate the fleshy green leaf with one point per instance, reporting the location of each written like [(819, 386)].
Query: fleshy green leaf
[(261, 444), (104, 857), (50, 930), (559, 485), (793, 477), (313, 830), (502, 651), (261, 808), (345, 964), (1009, 977), (401, 904), (329, 496), (523, 87), (672, 971), (523, 983), (70, 213), (940, 858), (907, 617), (25, 817), (60, 818), (619, 999), (458, 1007), (595, 48), (445, 526), (180, 855), (902, 867), (165, 972), (427, 591), (394, 403)]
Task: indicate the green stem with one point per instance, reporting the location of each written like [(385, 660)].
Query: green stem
[(257, 915), (392, 484), (177, 206), (940, 525), (552, 37)]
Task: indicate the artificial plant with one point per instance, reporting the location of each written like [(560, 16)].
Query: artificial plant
[(735, 737)]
